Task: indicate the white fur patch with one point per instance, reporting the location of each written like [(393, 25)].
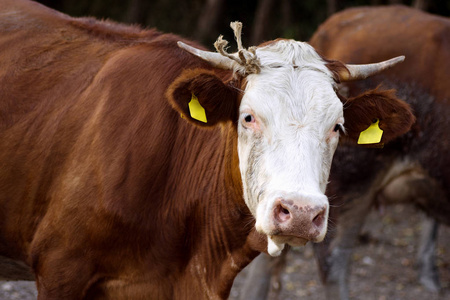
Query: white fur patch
[(273, 248), (288, 147)]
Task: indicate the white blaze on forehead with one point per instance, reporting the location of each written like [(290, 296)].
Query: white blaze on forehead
[(294, 101), (294, 84), (295, 107), (290, 52)]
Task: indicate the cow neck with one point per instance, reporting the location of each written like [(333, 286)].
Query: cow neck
[(219, 227)]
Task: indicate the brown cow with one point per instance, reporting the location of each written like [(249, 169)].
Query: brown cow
[(106, 192), (416, 167)]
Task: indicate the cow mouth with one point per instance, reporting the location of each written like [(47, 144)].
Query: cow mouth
[(276, 243)]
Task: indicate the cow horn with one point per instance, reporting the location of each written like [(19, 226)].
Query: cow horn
[(356, 72), (216, 59)]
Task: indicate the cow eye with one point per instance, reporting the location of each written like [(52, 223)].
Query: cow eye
[(249, 118), (338, 127)]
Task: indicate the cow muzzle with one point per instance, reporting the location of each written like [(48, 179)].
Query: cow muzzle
[(294, 219)]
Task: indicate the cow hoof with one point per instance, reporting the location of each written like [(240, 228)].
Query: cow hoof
[(430, 282)]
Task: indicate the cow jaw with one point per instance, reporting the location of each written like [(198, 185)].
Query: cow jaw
[(286, 141), (275, 244)]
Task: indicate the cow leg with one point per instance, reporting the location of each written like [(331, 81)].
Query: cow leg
[(11, 269), (426, 258), (335, 263), (62, 274), (263, 279), (257, 282), (417, 187)]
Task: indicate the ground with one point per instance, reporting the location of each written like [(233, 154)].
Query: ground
[(383, 265)]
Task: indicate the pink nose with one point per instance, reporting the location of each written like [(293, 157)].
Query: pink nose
[(299, 217)]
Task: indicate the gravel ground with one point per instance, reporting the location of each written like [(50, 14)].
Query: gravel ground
[(383, 267), (20, 290)]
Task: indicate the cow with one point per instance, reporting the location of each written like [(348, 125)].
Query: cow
[(414, 168), (138, 165)]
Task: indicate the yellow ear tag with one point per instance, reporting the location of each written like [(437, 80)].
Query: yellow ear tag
[(371, 135), (197, 111)]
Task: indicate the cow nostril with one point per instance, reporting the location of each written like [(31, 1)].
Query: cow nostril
[(319, 219), (282, 214)]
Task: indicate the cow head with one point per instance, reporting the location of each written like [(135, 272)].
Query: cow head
[(289, 119)]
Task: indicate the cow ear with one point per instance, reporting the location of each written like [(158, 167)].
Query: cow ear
[(376, 117), (202, 98)]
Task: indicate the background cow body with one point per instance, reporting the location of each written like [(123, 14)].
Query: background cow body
[(413, 169), (106, 192)]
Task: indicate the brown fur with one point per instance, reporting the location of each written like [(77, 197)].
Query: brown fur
[(336, 67), (105, 191), (395, 116), (367, 35), (218, 98)]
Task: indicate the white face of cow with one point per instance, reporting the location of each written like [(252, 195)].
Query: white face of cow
[(288, 132)]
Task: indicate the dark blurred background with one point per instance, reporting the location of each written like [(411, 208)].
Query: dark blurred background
[(204, 20)]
